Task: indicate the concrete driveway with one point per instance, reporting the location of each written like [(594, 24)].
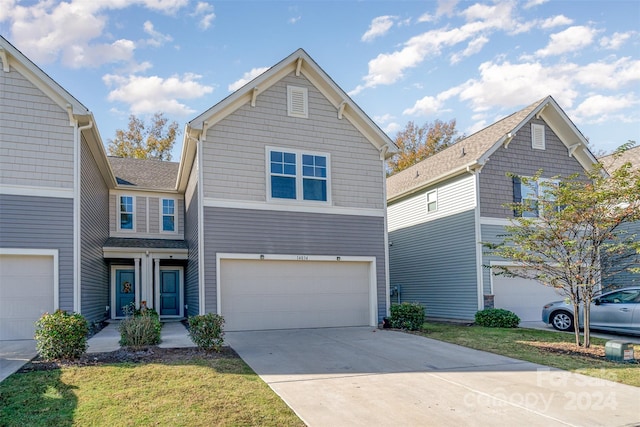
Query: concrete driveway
[(370, 377), (14, 354)]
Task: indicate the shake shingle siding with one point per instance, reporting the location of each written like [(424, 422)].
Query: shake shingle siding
[(496, 188), (291, 233), (94, 208), (41, 223), (37, 139), (434, 264)]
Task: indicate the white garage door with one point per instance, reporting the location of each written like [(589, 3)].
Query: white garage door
[(275, 294), (26, 292), (522, 296)]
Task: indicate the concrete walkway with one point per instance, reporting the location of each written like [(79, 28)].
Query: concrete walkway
[(14, 354), (369, 377), (173, 335)]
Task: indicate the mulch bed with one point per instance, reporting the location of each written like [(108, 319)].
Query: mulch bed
[(147, 355), (593, 352)]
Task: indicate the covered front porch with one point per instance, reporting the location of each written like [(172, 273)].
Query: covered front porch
[(146, 272)]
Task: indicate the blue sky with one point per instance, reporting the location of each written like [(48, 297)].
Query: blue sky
[(473, 61)]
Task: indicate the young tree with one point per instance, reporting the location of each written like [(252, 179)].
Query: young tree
[(580, 224), (418, 143), (145, 141)]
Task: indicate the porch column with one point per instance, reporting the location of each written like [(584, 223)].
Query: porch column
[(156, 279), (138, 287)]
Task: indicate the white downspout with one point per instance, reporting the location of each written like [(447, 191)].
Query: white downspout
[(386, 236), (77, 194), (478, 234), (201, 282)]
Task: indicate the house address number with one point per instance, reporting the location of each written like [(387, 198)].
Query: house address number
[(303, 258)]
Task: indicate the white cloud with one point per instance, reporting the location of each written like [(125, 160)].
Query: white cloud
[(148, 94), (157, 38), (426, 17), (379, 27), (605, 109), (446, 7), (430, 105), (246, 78), (556, 21), (48, 30), (616, 40), (473, 47), (533, 3), (204, 11), (570, 40), (391, 128), (609, 75), (295, 19)]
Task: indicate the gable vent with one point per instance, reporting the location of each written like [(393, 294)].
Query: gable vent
[(537, 137), (297, 102)]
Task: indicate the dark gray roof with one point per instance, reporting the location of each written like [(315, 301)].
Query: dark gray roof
[(143, 173), (122, 242), (451, 159)]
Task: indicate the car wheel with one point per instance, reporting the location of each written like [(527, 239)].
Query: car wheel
[(562, 321)]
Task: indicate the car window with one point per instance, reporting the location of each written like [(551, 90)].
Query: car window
[(623, 296)]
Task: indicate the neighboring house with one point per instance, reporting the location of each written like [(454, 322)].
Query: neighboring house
[(611, 163), (441, 209), (275, 217)]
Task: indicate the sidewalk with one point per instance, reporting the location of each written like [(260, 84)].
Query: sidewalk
[(173, 335)]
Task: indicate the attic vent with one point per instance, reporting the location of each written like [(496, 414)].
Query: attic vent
[(537, 136), (297, 102)]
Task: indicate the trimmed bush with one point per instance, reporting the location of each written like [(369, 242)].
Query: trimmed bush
[(61, 335), (142, 329), (497, 318), (206, 331), (407, 315)]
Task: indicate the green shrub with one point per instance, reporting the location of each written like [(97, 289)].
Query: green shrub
[(142, 329), (61, 335), (206, 331), (497, 318), (407, 316)]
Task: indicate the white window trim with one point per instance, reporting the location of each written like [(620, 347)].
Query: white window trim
[(537, 194), (538, 144), (175, 216), (299, 178), (133, 218), (435, 192), (305, 102)]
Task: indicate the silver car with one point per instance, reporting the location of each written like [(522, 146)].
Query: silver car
[(615, 311)]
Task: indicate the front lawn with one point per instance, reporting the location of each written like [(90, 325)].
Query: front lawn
[(537, 346), (218, 391)]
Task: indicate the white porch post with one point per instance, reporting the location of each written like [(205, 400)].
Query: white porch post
[(156, 287), (138, 287)]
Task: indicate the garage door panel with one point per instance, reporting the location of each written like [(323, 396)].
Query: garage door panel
[(293, 294), (524, 297), (26, 292)]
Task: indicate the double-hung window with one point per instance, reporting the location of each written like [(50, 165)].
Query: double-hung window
[(432, 201), (168, 215), (126, 213), (297, 175), (530, 195)]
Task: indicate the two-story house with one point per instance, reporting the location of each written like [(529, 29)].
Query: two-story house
[(275, 216), (442, 209)]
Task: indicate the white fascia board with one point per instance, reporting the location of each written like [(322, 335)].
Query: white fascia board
[(291, 207)]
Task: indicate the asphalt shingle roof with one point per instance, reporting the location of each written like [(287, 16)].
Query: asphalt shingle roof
[(613, 162), (142, 173), (122, 242), (464, 152)]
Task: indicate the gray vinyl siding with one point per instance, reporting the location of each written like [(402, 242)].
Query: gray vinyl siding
[(41, 223), (490, 234), (94, 211), (146, 217), (496, 188), (271, 232), (191, 288), (141, 215), (435, 264), (625, 278), (234, 150), (154, 214), (37, 139)]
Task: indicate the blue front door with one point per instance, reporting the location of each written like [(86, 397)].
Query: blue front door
[(170, 292), (125, 290)]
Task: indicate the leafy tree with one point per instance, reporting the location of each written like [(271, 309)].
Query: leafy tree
[(154, 140), (418, 143), (579, 238)]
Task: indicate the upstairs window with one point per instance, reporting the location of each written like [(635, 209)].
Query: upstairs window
[(529, 195), (298, 176), (126, 213), (432, 201), (168, 215), (537, 136)]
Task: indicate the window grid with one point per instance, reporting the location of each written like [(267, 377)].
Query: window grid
[(298, 176), (168, 215), (126, 212)]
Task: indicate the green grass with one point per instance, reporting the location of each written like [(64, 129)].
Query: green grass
[(524, 344), (212, 392)]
